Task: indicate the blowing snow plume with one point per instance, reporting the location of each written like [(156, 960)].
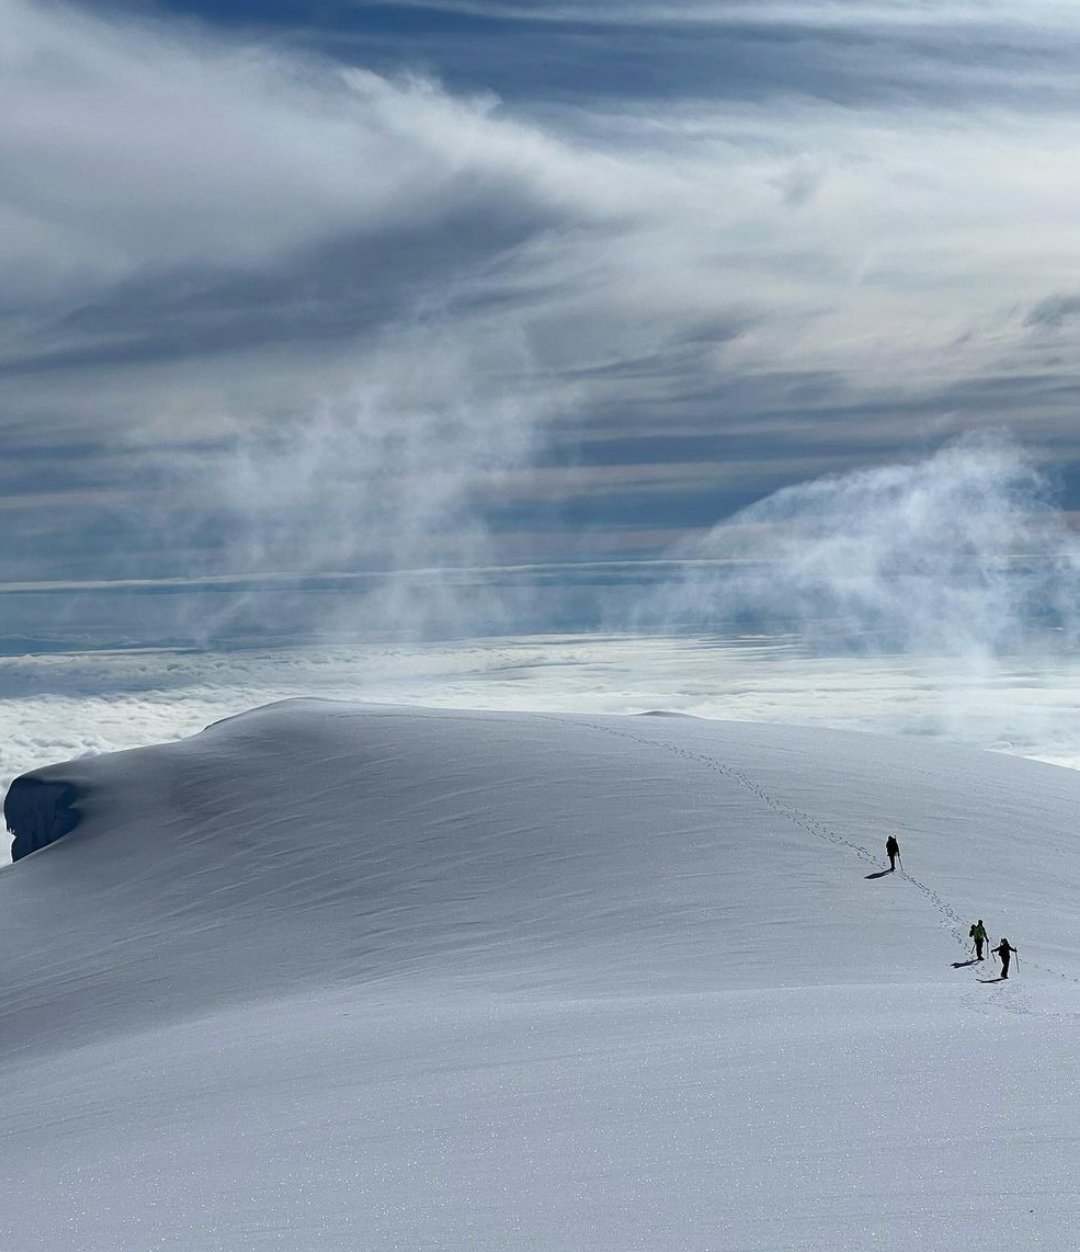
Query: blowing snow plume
[(966, 553), (366, 513)]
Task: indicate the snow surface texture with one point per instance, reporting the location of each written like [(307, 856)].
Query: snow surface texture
[(332, 976)]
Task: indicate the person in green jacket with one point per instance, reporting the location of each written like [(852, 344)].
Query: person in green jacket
[(979, 936)]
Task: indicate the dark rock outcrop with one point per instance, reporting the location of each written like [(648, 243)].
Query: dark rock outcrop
[(38, 812)]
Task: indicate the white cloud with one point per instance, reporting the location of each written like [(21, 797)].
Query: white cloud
[(140, 148), (137, 145), (809, 12)]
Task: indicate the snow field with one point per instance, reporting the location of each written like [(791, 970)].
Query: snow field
[(334, 976)]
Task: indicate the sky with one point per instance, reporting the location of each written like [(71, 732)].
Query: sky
[(293, 295)]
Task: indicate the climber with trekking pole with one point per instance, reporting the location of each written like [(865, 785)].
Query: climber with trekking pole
[(892, 848), (1004, 950)]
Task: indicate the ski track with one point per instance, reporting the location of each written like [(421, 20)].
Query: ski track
[(819, 830)]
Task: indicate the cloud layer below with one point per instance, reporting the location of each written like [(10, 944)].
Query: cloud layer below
[(55, 708)]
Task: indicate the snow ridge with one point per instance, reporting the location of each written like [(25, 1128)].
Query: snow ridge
[(334, 976)]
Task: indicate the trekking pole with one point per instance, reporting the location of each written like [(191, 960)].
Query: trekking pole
[(900, 862)]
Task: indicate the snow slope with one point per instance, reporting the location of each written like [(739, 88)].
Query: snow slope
[(334, 976)]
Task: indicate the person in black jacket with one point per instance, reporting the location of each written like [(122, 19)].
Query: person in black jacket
[(1004, 951), (893, 849)]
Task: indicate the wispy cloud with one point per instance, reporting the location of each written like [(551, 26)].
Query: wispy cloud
[(299, 314)]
